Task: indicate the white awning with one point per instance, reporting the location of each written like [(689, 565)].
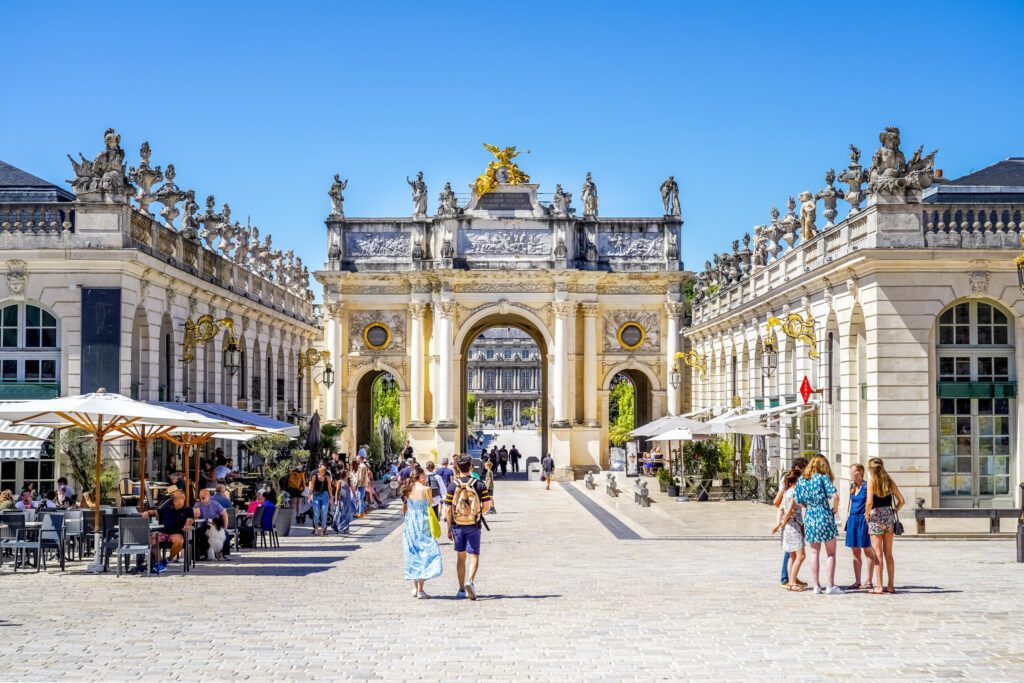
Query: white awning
[(22, 449)]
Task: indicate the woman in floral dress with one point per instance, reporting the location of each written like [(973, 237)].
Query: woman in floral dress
[(816, 492), (790, 520)]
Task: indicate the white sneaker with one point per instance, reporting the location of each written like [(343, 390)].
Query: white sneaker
[(834, 590), (415, 593), (817, 590), (470, 591), (422, 596)]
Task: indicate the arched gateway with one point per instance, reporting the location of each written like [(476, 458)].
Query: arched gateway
[(407, 296)]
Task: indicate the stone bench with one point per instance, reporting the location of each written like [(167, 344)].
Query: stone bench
[(992, 514)]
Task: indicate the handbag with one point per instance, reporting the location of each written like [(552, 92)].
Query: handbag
[(435, 525), (897, 527)]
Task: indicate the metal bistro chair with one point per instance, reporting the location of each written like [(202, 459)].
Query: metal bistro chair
[(74, 532), (19, 539), (51, 535), (133, 540), (232, 527), (275, 542), (257, 528)]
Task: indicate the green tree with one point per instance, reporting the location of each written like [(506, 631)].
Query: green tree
[(622, 412), (529, 413), (471, 407), (79, 447), (490, 413)]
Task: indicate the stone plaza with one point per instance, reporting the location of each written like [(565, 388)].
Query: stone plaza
[(566, 594)]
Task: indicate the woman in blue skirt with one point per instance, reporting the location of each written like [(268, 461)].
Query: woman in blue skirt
[(857, 537)]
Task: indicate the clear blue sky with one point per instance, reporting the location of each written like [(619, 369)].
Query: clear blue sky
[(261, 103)]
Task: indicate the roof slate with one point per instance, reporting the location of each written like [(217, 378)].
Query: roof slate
[(17, 185), (1009, 172)]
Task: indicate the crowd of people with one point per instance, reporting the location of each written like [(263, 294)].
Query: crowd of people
[(808, 504)]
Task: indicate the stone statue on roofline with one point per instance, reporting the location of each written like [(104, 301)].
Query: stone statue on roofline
[(337, 198), (419, 196), (190, 221), (103, 179), (589, 196), (892, 175), (447, 205), (560, 203), (808, 214), (830, 197), (670, 197)]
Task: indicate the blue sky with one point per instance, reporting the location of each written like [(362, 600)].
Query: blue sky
[(261, 103)]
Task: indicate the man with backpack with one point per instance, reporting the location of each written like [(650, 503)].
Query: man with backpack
[(467, 500), (548, 465)]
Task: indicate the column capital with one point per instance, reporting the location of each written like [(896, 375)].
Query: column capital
[(562, 308), (446, 308), (334, 310), (590, 309), (417, 309), (673, 309)]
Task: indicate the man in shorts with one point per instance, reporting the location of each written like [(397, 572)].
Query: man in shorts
[(176, 518), (466, 536)]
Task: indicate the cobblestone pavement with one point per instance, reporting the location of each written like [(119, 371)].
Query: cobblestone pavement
[(562, 598)]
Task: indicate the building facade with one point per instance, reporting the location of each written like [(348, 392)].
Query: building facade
[(898, 320), (101, 290), (503, 372), (409, 296)]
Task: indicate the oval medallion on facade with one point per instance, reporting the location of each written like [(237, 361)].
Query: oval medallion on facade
[(377, 336), (631, 336)]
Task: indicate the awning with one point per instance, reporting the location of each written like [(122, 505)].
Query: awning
[(664, 424), (219, 411), (21, 449)]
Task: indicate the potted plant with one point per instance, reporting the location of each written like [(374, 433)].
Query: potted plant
[(664, 478), (705, 459)]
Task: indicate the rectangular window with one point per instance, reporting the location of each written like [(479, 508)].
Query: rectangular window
[(101, 339), (955, 369), (9, 371)]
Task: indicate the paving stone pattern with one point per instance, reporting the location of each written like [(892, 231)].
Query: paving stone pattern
[(562, 598)]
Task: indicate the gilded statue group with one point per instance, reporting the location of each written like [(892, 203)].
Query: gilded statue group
[(890, 178), (104, 179)]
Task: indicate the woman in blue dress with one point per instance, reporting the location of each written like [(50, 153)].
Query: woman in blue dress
[(422, 555), (857, 537), (816, 492)]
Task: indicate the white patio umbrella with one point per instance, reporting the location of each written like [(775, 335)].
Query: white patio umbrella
[(104, 415)]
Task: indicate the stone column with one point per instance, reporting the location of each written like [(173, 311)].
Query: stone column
[(416, 311), (673, 309), (562, 310), (590, 364), (443, 400), (333, 342)]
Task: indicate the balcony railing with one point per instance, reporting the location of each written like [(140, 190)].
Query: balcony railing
[(37, 218), (28, 391)]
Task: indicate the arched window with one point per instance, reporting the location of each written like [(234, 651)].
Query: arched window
[(976, 389), (29, 352)]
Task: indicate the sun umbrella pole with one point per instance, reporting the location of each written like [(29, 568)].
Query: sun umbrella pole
[(188, 480), (97, 565), (198, 461), (143, 445)]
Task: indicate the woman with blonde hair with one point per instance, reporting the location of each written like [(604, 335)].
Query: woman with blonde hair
[(817, 493), (881, 516)]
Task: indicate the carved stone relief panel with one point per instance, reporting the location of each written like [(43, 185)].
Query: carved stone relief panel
[(621, 245), (360, 323), (377, 245), (505, 242), (648, 321)]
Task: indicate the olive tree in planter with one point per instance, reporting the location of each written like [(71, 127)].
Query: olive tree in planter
[(703, 458)]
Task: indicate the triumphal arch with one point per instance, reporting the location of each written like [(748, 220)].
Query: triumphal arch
[(406, 297)]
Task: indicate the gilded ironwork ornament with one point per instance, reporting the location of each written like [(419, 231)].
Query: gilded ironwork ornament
[(503, 170), (692, 359), (201, 331), (311, 358), (795, 326)]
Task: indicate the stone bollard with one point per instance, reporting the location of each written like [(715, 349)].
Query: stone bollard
[(589, 481), (641, 496), (610, 486)]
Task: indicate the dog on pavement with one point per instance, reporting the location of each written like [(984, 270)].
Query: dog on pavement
[(216, 536)]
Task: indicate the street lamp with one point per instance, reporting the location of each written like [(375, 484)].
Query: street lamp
[(232, 355), (327, 377), (674, 378), (769, 355), (310, 358)]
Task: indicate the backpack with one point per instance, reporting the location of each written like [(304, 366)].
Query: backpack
[(296, 482), (466, 506), (435, 486)]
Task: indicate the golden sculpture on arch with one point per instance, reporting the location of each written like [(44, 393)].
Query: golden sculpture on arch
[(503, 170), (796, 327)]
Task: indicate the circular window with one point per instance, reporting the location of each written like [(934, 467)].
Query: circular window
[(377, 336), (631, 336)]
